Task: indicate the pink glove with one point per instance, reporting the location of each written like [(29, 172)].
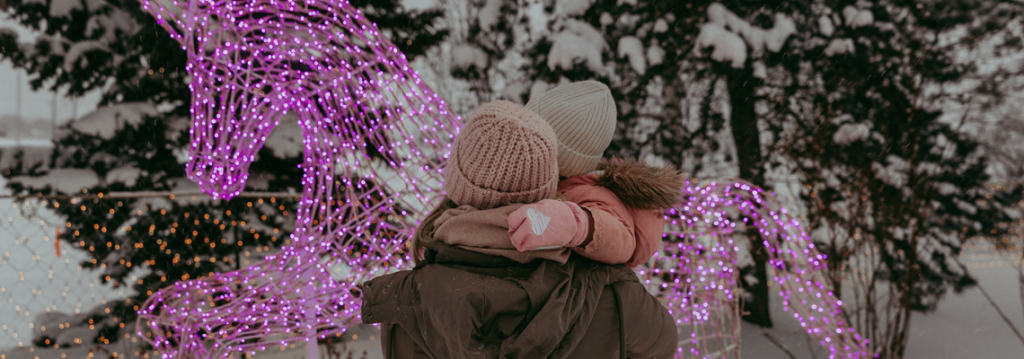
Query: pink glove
[(548, 224)]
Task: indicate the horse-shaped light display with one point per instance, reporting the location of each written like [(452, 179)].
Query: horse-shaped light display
[(696, 271), (375, 138)]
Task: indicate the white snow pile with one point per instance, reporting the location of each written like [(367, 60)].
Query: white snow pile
[(660, 26), (726, 32), (825, 26), (62, 329), (152, 204), (286, 140), (465, 55), (655, 54), (839, 46), (728, 47), (176, 126), (488, 15), (760, 70), (107, 121), (856, 17), (852, 132), (66, 328), (93, 5), (114, 23), (127, 175), (32, 154), (63, 180), (185, 185), (576, 7), (895, 173), (77, 51), (63, 8), (56, 44), (631, 48), (578, 41)]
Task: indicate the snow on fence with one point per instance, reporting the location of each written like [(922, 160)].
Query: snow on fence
[(38, 277), (47, 298)]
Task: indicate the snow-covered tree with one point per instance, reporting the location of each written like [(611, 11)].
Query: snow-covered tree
[(137, 141), (669, 106), (795, 86), (892, 187)]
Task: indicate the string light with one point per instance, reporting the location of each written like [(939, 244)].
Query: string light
[(374, 137), (696, 270)]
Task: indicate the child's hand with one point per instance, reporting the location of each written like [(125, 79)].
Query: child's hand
[(548, 224)]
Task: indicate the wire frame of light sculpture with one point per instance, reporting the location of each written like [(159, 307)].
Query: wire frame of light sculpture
[(697, 275), (374, 137)]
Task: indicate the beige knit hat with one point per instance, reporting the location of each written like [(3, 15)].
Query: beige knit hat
[(583, 116), (503, 154)]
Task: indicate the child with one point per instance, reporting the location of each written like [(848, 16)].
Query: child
[(622, 205), (473, 295)]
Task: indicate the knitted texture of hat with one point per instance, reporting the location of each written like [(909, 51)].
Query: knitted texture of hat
[(583, 116), (503, 154)]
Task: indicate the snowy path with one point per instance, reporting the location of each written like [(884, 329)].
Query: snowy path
[(964, 325)]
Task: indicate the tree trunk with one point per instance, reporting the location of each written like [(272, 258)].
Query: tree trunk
[(743, 120)]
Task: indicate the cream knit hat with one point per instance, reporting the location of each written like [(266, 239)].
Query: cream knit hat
[(503, 154), (583, 116)]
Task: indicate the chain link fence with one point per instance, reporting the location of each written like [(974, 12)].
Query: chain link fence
[(48, 300)]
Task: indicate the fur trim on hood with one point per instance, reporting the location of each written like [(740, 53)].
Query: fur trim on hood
[(639, 185)]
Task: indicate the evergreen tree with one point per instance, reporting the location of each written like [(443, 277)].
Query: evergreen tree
[(645, 52), (801, 87), (138, 140), (892, 186)]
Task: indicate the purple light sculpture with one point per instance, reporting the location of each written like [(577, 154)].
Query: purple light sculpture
[(695, 272), (375, 138)]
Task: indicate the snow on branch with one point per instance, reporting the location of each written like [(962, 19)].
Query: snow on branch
[(631, 48), (63, 180), (730, 35), (79, 49), (855, 17), (840, 46), (466, 55), (106, 121), (63, 8), (578, 41)]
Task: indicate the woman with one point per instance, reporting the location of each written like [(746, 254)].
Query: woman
[(473, 295)]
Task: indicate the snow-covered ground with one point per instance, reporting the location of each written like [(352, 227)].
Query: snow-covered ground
[(964, 325)]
